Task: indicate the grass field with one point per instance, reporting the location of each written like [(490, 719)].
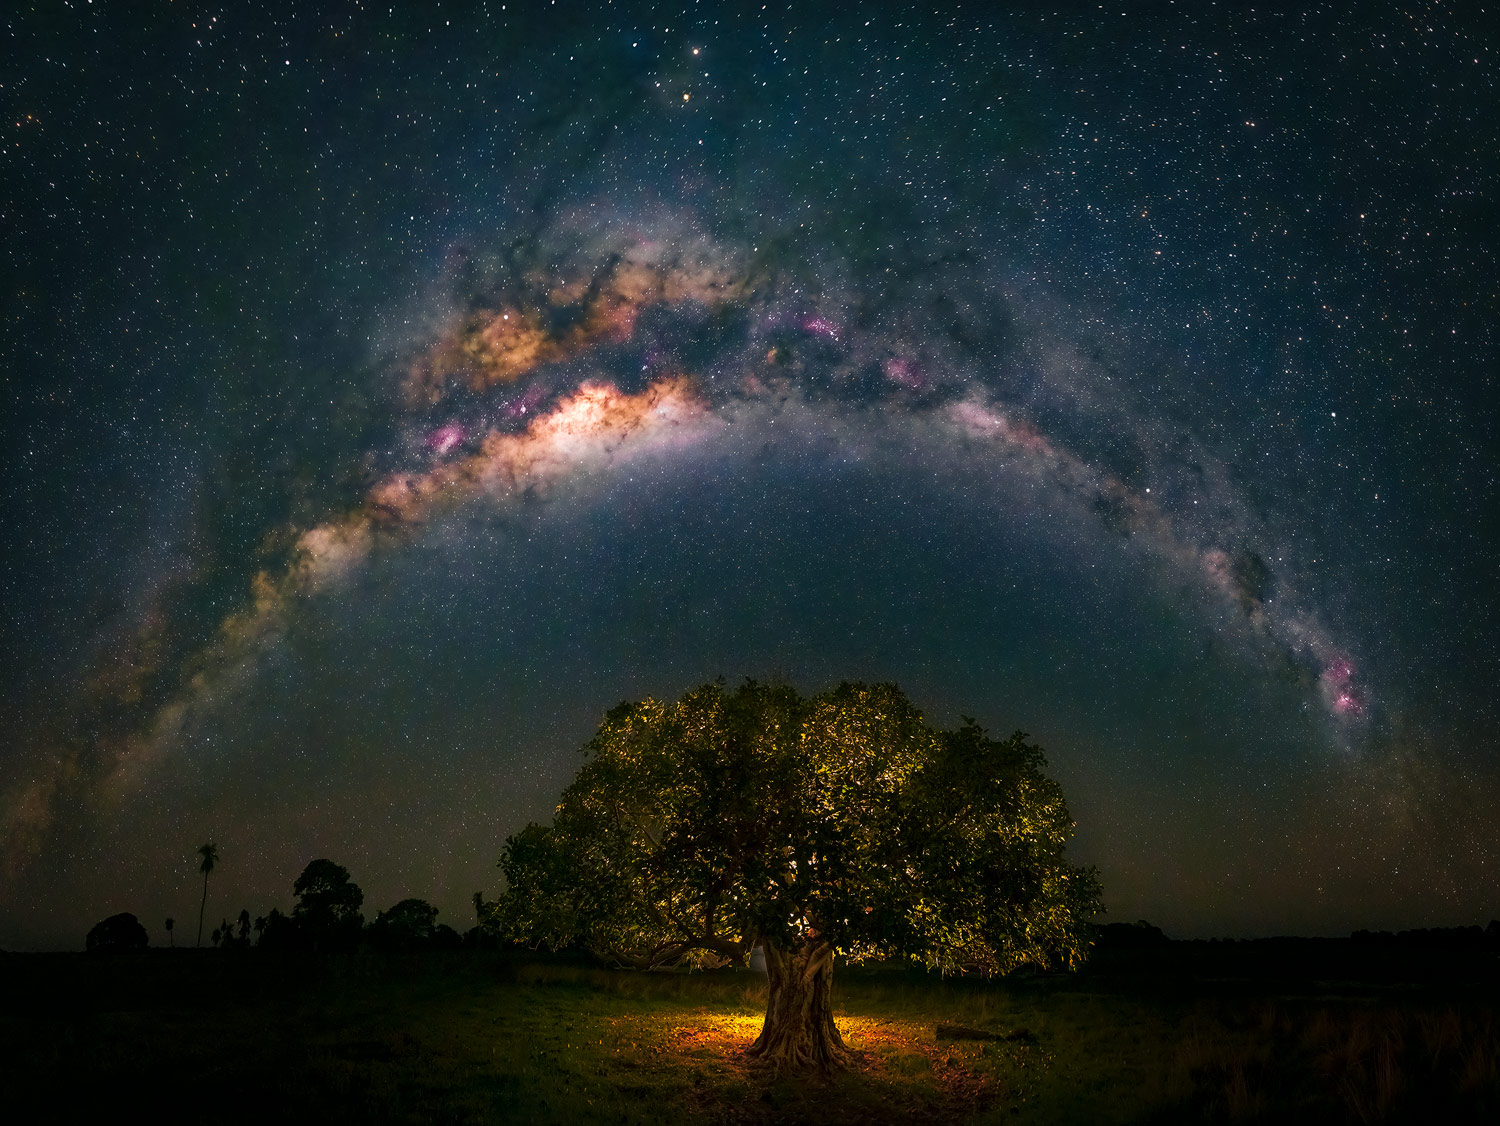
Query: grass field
[(1192, 1033)]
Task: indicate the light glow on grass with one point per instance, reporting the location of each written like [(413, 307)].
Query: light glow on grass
[(882, 1044)]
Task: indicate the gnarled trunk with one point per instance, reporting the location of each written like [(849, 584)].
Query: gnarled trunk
[(799, 1033)]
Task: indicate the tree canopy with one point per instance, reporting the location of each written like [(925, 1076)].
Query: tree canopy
[(837, 824)]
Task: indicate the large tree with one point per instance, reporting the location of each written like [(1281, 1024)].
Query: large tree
[(327, 911), (839, 825)]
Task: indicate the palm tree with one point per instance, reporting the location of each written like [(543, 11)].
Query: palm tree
[(171, 922), (210, 854)]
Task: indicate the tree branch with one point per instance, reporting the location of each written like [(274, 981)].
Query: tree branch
[(822, 956)]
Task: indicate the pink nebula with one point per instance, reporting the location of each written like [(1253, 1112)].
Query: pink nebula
[(900, 370), (1347, 703), (1339, 671), (820, 327), (444, 438), (1340, 692)]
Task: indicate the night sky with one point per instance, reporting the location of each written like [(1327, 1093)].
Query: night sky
[(387, 393)]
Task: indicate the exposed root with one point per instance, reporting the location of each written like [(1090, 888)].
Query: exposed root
[(803, 1057)]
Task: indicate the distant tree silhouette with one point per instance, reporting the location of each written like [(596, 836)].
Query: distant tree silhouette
[(244, 932), (406, 926), (171, 922), (260, 929), (117, 933), (280, 932), (210, 854), (482, 936), (1130, 935), (327, 911)]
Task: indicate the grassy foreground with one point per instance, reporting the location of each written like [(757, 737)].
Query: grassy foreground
[(1196, 1033)]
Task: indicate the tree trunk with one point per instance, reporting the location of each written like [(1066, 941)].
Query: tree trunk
[(201, 906), (799, 1034)]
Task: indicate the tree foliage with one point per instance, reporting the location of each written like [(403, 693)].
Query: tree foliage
[(836, 824)]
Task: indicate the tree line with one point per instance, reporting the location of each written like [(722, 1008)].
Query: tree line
[(327, 916)]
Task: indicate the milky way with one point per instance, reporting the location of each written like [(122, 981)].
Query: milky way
[(667, 349)]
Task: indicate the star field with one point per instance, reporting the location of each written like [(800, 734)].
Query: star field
[(388, 393)]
